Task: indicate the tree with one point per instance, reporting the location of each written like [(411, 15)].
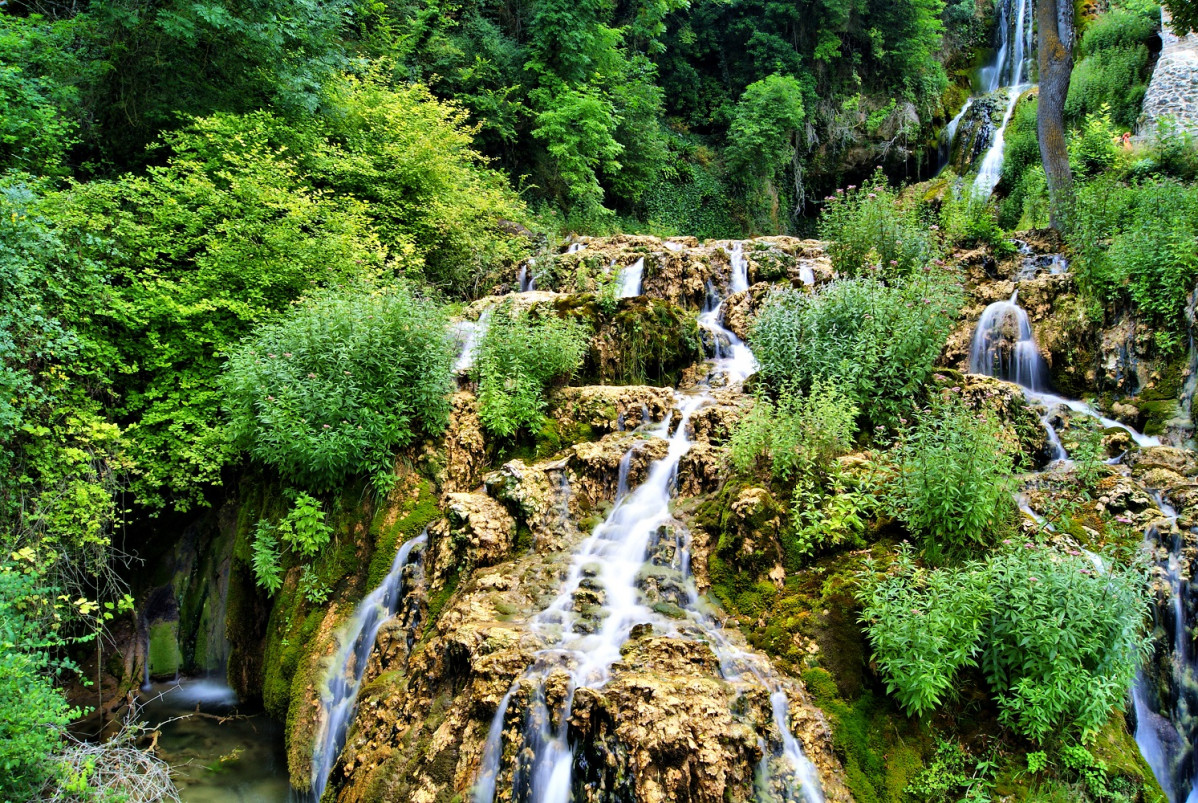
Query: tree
[(1054, 19), (1184, 14)]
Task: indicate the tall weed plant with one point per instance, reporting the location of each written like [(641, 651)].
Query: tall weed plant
[(1057, 637), (869, 227), (339, 382), (954, 477), (519, 358), (877, 342)]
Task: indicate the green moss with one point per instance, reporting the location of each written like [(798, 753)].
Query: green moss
[(880, 748), (438, 598), (165, 656), (390, 528)]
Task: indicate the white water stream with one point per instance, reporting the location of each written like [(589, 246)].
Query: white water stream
[(631, 279), (339, 696), (608, 565), (1005, 347)]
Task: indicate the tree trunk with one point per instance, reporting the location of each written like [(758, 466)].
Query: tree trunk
[(1054, 19)]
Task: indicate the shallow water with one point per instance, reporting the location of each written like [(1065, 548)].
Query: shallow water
[(238, 759)]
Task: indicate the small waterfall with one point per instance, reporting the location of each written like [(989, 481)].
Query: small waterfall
[(1004, 346), (576, 247), (631, 278), (526, 279), (584, 647), (339, 698), (945, 143), (470, 334), (740, 268)]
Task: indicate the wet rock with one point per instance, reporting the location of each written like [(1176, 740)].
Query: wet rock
[(595, 467), (596, 410), (465, 446), (483, 532)]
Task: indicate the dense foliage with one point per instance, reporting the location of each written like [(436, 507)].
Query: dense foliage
[(519, 358), (1057, 637), (870, 230), (338, 383), (877, 342), (953, 482)]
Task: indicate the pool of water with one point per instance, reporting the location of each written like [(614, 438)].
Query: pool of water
[(218, 751)]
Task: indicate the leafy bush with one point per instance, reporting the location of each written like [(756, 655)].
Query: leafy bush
[(1063, 640), (1057, 638), (924, 626), (1092, 146), (268, 570), (1113, 68), (1021, 157), (876, 342), (304, 528), (339, 382), (869, 227), (1139, 239), (967, 220), (518, 359), (798, 435), (33, 711), (954, 477)]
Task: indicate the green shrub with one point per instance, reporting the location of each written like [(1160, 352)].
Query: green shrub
[(1057, 638), (1092, 147), (518, 359), (869, 227), (1113, 68), (33, 711), (967, 220), (1063, 640), (304, 528), (1138, 240), (339, 382), (1021, 157), (954, 478), (924, 626), (876, 342), (268, 571), (798, 435)]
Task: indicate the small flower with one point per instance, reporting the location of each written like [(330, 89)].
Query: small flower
[(270, 398), (271, 356), (840, 192), (917, 611), (873, 195), (934, 227), (311, 376), (1007, 541), (286, 353), (1029, 545), (852, 186), (938, 261), (955, 388), (1033, 579), (326, 426), (894, 263)]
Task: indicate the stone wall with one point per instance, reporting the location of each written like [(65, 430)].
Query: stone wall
[(1173, 91)]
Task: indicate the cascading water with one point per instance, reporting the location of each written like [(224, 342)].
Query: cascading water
[(608, 566), (740, 268), (526, 279), (471, 333), (339, 698), (631, 278), (1168, 741), (1010, 69), (1004, 347)]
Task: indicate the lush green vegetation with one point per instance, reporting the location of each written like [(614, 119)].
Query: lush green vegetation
[(519, 358), (870, 231), (953, 484), (877, 342), (338, 383), (1057, 638)]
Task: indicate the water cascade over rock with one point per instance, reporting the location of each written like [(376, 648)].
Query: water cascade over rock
[(1000, 81), (344, 679), (603, 603), (631, 279)]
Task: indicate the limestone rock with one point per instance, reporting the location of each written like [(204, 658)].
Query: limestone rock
[(482, 527)]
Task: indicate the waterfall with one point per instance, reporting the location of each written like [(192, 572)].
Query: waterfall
[(338, 701), (631, 278), (611, 560), (1010, 70), (1004, 347), (740, 268), (526, 280), (575, 247), (945, 143), (470, 334)]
